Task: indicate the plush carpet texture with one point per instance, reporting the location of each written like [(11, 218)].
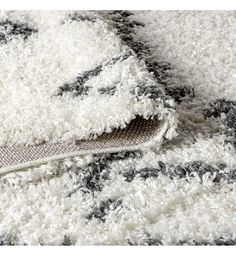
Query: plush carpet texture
[(67, 76)]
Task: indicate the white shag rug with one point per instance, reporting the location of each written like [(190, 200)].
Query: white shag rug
[(67, 75), (183, 194)]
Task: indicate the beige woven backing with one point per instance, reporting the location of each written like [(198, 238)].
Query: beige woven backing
[(137, 132)]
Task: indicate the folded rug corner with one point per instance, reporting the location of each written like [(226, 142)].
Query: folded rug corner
[(68, 80)]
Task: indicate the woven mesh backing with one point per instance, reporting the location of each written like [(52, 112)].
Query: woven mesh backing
[(137, 132)]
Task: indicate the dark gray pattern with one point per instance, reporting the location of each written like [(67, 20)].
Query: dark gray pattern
[(78, 87), (231, 127), (108, 90), (102, 210), (126, 30), (66, 241), (75, 88), (219, 106), (227, 240), (8, 240), (189, 170), (153, 92), (82, 17), (109, 157), (227, 107), (180, 93), (221, 241), (90, 178), (10, 30)]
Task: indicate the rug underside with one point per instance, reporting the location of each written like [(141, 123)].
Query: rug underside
[(136, 134)]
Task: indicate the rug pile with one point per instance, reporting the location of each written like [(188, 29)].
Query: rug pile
[(67, 76)]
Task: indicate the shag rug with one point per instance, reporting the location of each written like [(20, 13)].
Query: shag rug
[(117, 128)]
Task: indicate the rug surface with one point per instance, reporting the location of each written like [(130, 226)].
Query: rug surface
[(104, 69), (75, 66), (68, 77)]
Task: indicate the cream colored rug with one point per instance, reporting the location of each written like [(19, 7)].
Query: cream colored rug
[(117, 128)]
